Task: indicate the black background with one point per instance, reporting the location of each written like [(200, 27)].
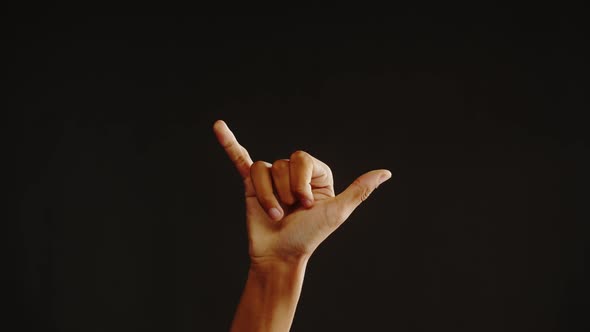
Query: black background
[(131, 216)]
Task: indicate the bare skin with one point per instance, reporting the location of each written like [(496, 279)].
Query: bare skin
[(291, 207)]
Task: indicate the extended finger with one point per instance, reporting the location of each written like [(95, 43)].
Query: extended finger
[(237, 153), (358, 191), (282, 183), (260, 174)]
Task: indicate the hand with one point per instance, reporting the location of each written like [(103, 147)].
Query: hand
[(291, 206)]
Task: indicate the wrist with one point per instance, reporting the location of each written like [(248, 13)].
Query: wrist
[(271, 294), (269, 267)]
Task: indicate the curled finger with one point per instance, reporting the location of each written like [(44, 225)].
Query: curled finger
[(260, 173)]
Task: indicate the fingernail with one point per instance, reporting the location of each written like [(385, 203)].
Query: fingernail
[(384, 177), (307, 202), (274, 213)]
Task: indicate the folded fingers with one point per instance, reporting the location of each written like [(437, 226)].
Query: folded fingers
[(286, 182)]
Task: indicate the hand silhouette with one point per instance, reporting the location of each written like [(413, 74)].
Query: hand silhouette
[(291, 206)]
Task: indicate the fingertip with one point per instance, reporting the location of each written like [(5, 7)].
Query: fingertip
[(223, 133), (307, 202), (218, 124), (275, 214)]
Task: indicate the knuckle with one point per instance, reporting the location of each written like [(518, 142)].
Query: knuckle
[(280, 166), (266, 200), (364, 191), (299, 155), (288, 199), (300, 189), (259, 164), (240, 159), (244, 155), (258, 168), (328, 170), (229, 144), (365, 194)]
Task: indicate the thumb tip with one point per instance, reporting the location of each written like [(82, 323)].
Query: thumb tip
[(384, 176), (386, 172), (362, 187), (376, 177)]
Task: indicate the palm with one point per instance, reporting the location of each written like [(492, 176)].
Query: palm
[(299, 232)]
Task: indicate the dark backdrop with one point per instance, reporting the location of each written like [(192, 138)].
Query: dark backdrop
[(131, 216)]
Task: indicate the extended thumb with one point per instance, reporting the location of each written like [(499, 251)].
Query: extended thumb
[(360, 189)]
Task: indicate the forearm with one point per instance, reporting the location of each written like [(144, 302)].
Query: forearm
[(270, 296)]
